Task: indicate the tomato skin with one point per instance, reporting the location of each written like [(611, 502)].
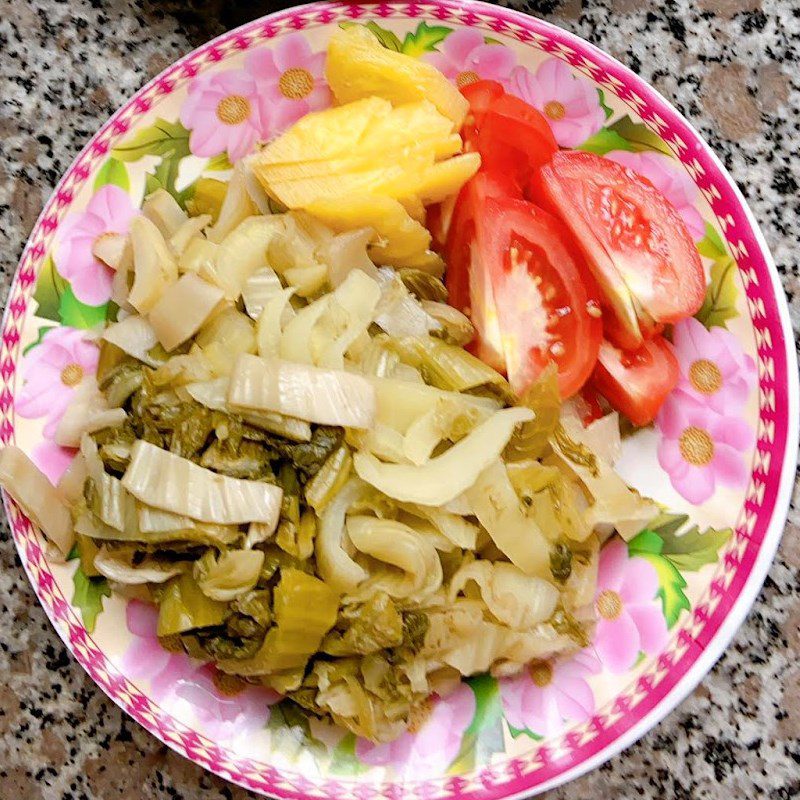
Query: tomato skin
[(512, 137), (588, 404), (637, 383), (465, 276), (544, 309), (634, 240), (480, 95)]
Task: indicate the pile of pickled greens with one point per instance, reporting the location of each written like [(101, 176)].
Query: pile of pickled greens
[(288, 450)]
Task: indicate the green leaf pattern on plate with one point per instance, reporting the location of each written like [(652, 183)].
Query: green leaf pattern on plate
[(88, 593), (672, 552)]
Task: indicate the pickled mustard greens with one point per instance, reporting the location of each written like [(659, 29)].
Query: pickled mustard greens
[(289, 448)]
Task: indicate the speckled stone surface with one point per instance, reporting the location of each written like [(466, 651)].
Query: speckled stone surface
[(731, 66)]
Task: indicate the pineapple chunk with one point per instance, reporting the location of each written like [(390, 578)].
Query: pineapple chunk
[(362, 148), (434, 182), (358, 66), (401, 237), (426, 261)]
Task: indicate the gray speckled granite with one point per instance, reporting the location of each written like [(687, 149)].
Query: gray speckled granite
[(730, 65)]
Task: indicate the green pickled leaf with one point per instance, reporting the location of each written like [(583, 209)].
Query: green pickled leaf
[(563, 622), (49, 288), (720, 302), (606, 109), (604, 141), (329, 479), (560, 562), (183, 607), (576, 452), (308, 457), (88, 594), (415, 627), (388, 39), (162, 138), (249, 461), (425, 39), (639, 136), (531, 439), (112, 172), (369, 628), (39, 337), (256, 604), (423, 285), (78, 315)]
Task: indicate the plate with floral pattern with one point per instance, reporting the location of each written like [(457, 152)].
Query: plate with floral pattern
[(720, 457)]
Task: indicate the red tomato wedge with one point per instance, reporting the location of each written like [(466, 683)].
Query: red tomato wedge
[(634, 240), (480, 95), (544, 309), (587, 404), (637, 383), (511, 136), (463, 287)]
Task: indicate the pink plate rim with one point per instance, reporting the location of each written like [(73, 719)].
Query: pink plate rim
[(702, 639)]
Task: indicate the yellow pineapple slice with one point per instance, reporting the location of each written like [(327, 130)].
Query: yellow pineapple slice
[(413, 205), (364, 147), (359, 66), (427, 261), (433, 182), (401, 237)]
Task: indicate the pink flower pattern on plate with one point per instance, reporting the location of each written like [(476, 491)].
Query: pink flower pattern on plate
[(548, 695), (51, 372), (714, 368), (700, 448), (290, 82), (569, 102), (629, 618), (464, 57), (224, 113), (185, 686), (52, 459), (431, 748), (669, 177), (109, 211)]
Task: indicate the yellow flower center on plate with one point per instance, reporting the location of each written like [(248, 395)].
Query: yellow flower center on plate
[(697, 446), (555, 110), (296, 83), (466, 78), (233, 109), (72, 375), (541, 673), (609, 604), (705, 376)]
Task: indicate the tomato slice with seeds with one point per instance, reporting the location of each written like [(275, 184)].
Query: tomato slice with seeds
[(634, 240), (636, 383), (539, 293)]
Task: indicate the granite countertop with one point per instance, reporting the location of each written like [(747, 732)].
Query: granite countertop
[(731, 66)]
